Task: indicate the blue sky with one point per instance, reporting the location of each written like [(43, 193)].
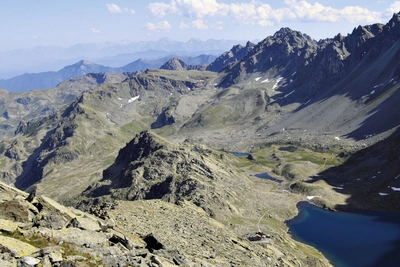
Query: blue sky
[(30, 23)]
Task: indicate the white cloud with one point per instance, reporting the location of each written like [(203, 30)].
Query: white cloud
[(94, 30), (244, 12), (113, 8), (395, 7), (305, 11), (196, 24), (188, 8), (264, 14), (162, 26)]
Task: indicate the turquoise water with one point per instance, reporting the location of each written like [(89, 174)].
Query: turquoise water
[(358, 239)]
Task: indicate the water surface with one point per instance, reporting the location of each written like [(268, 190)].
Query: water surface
[(363, 238)]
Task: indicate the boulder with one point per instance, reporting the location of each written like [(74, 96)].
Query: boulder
[(15, 210), (8, 226), (18, 249)]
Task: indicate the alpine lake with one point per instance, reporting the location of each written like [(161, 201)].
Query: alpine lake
[(357, 238)]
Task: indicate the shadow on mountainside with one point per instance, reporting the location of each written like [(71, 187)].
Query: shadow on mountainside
[(380, 119), (32, 170), (370, 176)]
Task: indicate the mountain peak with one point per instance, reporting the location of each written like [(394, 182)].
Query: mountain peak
[(83, 62), (174, 64)]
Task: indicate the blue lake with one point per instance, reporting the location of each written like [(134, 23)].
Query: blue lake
[(364, 238), (239, 154), (265, 175)]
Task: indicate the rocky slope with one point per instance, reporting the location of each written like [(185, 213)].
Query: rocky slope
[(37, 231), (26, 107)]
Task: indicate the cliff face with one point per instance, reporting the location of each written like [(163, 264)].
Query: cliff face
[(286, 49), (238, 52)]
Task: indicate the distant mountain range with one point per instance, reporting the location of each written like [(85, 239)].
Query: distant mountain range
[(49, 79), (52, 58)]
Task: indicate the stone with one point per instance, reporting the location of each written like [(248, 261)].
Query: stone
[(8, 226), (14, 210), (129, 240), (152, 242), (32, 195), (77, 236), (17, 248), (55, 256), (6, 263), (110, 223), (46, 261), (51, 220), (161, 261), (31, 261)]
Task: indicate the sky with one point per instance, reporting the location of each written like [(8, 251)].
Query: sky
[(31, 23)]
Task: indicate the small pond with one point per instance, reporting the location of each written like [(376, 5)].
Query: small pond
[(265, 175), (362, 238), (240, 154)]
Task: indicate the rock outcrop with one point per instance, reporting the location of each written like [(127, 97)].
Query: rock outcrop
[(150, 167), (45, 233)]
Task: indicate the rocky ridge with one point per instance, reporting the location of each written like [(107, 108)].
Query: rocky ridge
[(237, 53)]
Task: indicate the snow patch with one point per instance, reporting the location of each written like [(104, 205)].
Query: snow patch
[(395, 188), (372, 92), (133, 99), (293, 73), (119, 98), (284, 85), (383, 194), (257, 79), (311, 197), (189, 89), (276, 84), (368, 136), (265, 81), (337, 138), (339, 187), (289, 94)]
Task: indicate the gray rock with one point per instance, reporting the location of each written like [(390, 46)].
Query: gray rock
[(30, 261)]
